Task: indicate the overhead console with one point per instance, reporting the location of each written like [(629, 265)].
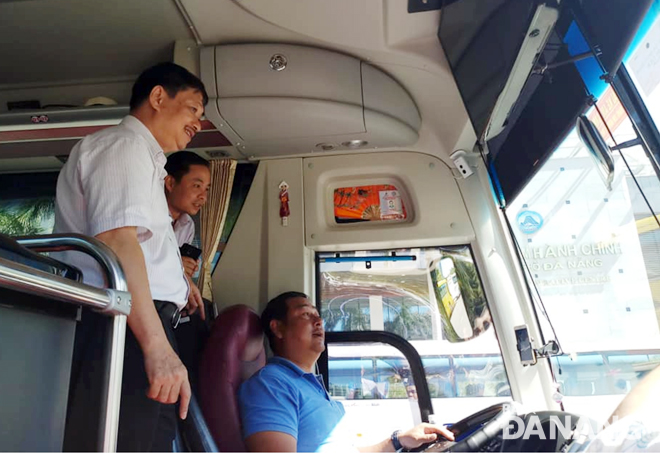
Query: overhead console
[(276, 99)]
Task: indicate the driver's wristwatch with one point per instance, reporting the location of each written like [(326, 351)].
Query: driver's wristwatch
[(395, 441)]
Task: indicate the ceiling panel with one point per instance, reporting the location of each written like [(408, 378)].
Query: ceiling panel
[(55, 40)]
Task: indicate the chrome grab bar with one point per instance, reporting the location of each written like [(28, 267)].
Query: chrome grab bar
[(91, 246), (114, 300), (22, 278)]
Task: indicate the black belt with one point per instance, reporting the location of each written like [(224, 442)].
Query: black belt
[(168, 311)]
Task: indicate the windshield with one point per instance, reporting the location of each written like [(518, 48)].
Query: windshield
[(592, 251), (433, 297)]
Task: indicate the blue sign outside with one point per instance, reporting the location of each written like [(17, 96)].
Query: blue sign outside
[(529, 222)]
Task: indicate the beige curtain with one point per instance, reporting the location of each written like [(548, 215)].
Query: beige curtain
[(212, 218)]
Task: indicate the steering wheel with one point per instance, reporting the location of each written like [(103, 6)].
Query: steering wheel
[(476, 430)]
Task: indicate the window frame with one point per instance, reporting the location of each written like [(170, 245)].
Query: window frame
[(404, 346), (410, 353), (639, 115)]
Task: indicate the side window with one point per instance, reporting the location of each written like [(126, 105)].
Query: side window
[(242, 182), (481, 376), (27, 203), (440, 376), (374, 383), (373, 372), (433, 298), (591, 255), (606, 374)]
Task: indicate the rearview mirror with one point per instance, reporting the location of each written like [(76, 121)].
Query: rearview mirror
[(598, 148), (459, 297)]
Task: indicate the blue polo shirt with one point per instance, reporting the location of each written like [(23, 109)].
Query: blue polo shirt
[(282, 397)]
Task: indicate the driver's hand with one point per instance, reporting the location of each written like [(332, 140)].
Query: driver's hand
[(423, 434)]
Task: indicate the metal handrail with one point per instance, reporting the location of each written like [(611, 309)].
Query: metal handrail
[(20, 277), (91, 246), (118, 303)]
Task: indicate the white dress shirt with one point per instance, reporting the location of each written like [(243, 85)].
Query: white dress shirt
[(184, 229), (115, 178)]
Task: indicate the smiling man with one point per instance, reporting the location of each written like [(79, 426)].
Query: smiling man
[(186, 189), (285, 406), (112, 188)]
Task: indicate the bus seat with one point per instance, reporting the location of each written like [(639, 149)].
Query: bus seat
[(36, 354), (234, 351), (193, 433)]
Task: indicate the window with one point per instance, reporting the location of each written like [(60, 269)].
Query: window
[(592, 251), (27, 204), (242, 182), (243, 178), (383, 373), (431, 297), (602, 373), (480, 376)]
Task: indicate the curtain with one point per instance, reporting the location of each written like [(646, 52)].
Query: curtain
[(212, 218)]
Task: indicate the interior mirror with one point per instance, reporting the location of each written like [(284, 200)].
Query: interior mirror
[(598, 148), (459, 296)]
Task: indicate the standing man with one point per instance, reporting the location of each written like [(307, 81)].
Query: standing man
[(186, 189), (112, 188), (285, 406)]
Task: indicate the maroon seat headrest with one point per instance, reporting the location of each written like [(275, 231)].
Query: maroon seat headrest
[(232, 354)]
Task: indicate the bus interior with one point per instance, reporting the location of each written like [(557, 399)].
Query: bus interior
[(468, 182)]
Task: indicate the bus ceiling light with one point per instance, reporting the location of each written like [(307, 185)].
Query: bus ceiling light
[(217, 154), (326, 146), (461, 163), (354, 144)]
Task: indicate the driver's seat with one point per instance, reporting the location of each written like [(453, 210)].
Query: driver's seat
[(234, 352)]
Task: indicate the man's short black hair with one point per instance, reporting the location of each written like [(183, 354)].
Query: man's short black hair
[(277, 309), (172, 77), (178, 164)]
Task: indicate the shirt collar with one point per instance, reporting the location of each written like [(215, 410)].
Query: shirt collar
[(137, 126), (183, 220), (289, 364)]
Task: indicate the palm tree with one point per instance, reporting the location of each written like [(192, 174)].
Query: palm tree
[(410, 325), (346, 318), (355, 320), (27, 216), (471, 290)]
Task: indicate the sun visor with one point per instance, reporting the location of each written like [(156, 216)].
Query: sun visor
[(611, 25), (492, 47), (560, 87), (547, 118)]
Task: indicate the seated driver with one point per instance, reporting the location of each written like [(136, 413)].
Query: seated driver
[(285, 407)]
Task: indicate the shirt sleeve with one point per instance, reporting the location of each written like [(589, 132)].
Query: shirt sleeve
[(636, 433), (117, 186), (190, 233), (268, 404)]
